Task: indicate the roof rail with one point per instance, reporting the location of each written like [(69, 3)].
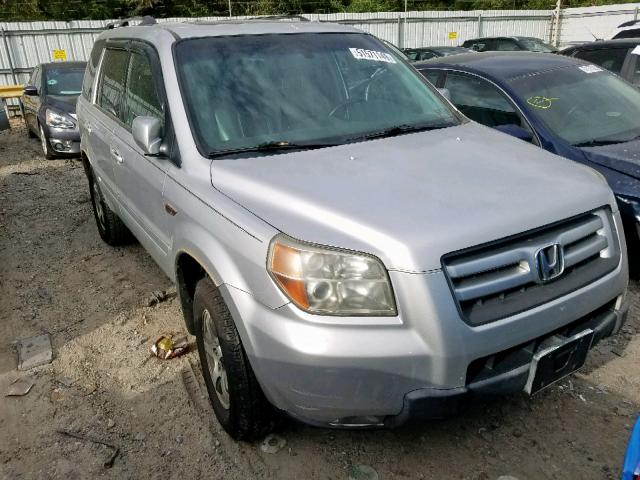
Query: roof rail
[(630, 23), (145, 20), (262, 18)]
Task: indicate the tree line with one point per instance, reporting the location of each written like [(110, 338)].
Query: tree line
[(30, 10)]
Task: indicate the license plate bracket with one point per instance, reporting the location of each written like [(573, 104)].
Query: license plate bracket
[(558, 357)]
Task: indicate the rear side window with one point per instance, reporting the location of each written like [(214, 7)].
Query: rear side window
[(141, 97), (610, 58), (112, 78), (90, 72)]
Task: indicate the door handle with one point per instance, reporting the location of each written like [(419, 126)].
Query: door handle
[(115, 154)]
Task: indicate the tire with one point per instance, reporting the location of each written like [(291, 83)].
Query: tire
[(241, 407), (110, 227), (46, 148), (30, 133)]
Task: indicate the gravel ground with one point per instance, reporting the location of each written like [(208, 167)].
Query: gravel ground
[(57, 277)]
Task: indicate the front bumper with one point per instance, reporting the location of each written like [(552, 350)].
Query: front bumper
[(333, 371), (432, 403), (64, 141)]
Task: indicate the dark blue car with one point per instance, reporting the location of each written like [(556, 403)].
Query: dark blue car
[(564, 105), (631, 468)]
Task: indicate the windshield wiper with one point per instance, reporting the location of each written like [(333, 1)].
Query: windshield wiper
[(402, 129), (594, 142), (271, 146)]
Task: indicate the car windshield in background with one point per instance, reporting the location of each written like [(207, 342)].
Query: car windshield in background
[(583, 104), (446, 51), (535, 45), (304, 89), (64, 81)]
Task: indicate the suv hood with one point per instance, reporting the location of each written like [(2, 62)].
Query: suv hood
[(412, 198), (622, 157)]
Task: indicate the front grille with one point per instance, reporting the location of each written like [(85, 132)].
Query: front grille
[(500, 279)]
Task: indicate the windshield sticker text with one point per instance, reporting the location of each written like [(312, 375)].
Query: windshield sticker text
[(362, 54), (590, 69), (541, 102)]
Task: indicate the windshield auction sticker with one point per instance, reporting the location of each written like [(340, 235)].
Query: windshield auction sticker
[(362, 54), (590, 69)]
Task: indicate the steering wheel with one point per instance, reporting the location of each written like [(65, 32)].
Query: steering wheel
[(377, 75)]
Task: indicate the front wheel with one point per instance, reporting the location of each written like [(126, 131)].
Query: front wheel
[(46, 148), (110, 227), (236, 397)]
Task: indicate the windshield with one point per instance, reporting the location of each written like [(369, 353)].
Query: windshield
[(582, 104), (246, 91), (536, 45), (446, 51), (64, 81)]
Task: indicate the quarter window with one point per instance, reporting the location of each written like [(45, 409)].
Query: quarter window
[(111, 90), (92, 65), (610, 58), (482, 102), (141, 98)]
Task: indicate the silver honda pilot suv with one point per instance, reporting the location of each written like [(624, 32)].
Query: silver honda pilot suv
[(348, 248)]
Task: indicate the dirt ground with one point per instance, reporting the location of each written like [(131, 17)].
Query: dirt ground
[(57, 277)]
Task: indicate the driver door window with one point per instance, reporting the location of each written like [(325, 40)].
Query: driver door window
[(482, 102), (141, 98)]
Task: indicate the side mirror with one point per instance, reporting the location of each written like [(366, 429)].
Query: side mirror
[(146, 133), (515, 131), (31, 90), (445, 93)]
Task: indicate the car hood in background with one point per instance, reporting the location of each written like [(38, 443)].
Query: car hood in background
[(62, 103), (622, 157), (412, 198)]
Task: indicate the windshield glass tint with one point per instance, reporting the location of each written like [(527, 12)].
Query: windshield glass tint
[(582, 107), (304, 88), (535, 45), (64, 81)]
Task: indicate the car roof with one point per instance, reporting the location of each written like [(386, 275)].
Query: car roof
[(226, 28), (60, 65), (618, 42), (514, 37), (502, 65)]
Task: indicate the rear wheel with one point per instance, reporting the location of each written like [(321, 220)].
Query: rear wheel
[(236, 397), (110, 227)]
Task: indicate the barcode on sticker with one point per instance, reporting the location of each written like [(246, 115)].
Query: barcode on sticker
[(362, 54), (590, 69)]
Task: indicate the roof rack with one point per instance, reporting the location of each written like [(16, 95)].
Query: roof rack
[(145, 20)]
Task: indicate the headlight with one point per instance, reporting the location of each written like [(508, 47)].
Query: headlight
[(58, 120), (328, 281)]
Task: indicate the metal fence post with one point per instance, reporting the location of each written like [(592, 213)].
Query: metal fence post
[(11, 67), (557, 16), (400, 32), (635, 13), (480, 24)]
